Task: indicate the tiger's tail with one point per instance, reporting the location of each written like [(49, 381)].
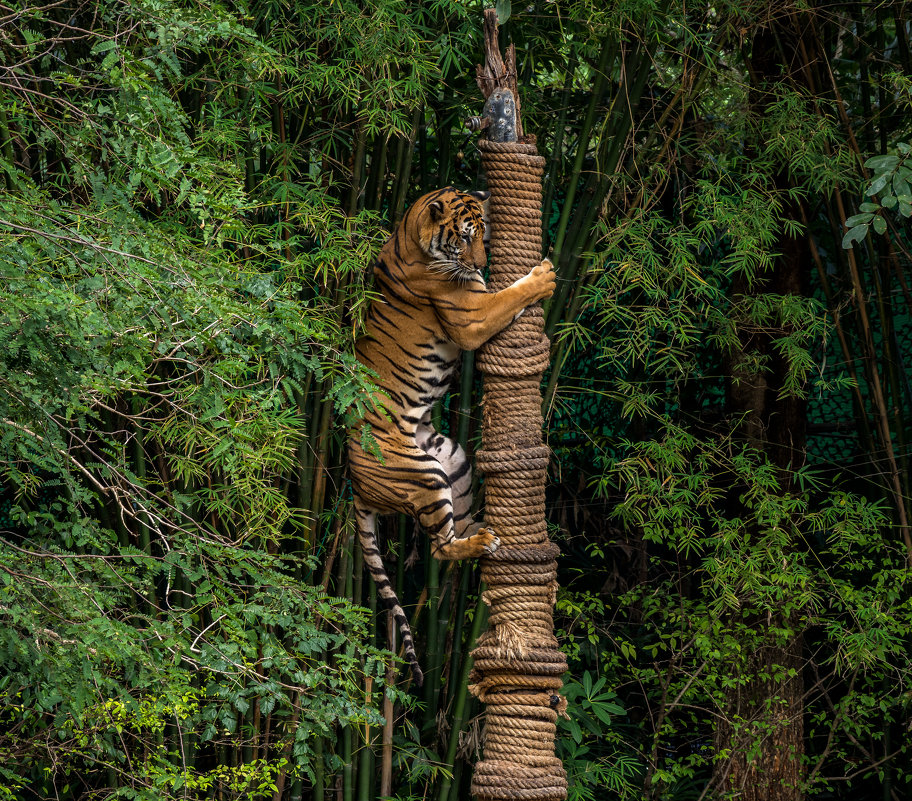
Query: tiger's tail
[(366, 521)]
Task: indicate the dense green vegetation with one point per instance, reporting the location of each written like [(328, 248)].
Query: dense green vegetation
[(190, 197)]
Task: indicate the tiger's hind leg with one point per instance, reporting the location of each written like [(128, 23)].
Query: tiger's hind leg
[(366, 520), (414, 481), (467, 534)]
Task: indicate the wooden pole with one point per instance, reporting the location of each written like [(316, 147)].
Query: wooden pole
[(518, 666)]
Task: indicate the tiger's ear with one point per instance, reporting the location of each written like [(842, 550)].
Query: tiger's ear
[(485, 199), (435, 208)]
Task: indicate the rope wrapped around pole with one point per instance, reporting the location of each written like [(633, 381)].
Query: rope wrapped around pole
[(517, 664)]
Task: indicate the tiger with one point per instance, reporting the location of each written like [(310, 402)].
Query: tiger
[(431, 303)]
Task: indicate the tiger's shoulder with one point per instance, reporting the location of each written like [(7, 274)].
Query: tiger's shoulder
[(424, 277)]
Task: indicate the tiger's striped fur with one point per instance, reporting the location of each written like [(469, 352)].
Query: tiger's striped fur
[(432, 303)]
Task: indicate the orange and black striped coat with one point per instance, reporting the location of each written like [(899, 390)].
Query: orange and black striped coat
[(432, 304)]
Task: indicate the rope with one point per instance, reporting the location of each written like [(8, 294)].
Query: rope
[(518, 666)]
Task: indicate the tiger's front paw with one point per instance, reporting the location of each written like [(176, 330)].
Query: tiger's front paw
[(490, 539), (543, 280)]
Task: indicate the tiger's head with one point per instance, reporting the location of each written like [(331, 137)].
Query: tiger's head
[(451, 231)]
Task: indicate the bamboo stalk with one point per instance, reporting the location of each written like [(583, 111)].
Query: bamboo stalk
[(902, 41), (458, 623), (402, 178), (386, 761), (376, 176), (432, 657), (366, 778), (462, 698), (466, 386), (550, 178), (596, 187), (320, 464), (347, 576), (366, 755), (360, 144), (861, 417), (877, 390), (444, 603), (401, 531), (882, 103), (423, 157), (561, 350), (347, 773), (443, 115), (573, 285), (319, 781), (882, 417), (582, 146)]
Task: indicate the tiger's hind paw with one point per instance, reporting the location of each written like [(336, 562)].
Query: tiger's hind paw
[(481, 543)]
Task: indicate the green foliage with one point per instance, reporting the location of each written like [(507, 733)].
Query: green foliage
[(159, 324), (191, 196), (736, 567), (593, 749), (889, 183)]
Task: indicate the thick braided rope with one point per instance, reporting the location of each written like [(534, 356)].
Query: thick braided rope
[(518, 666)]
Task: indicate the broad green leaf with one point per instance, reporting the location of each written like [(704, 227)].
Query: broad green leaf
[(855, 234), (858, 219), (877, 185), (882, 163)]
